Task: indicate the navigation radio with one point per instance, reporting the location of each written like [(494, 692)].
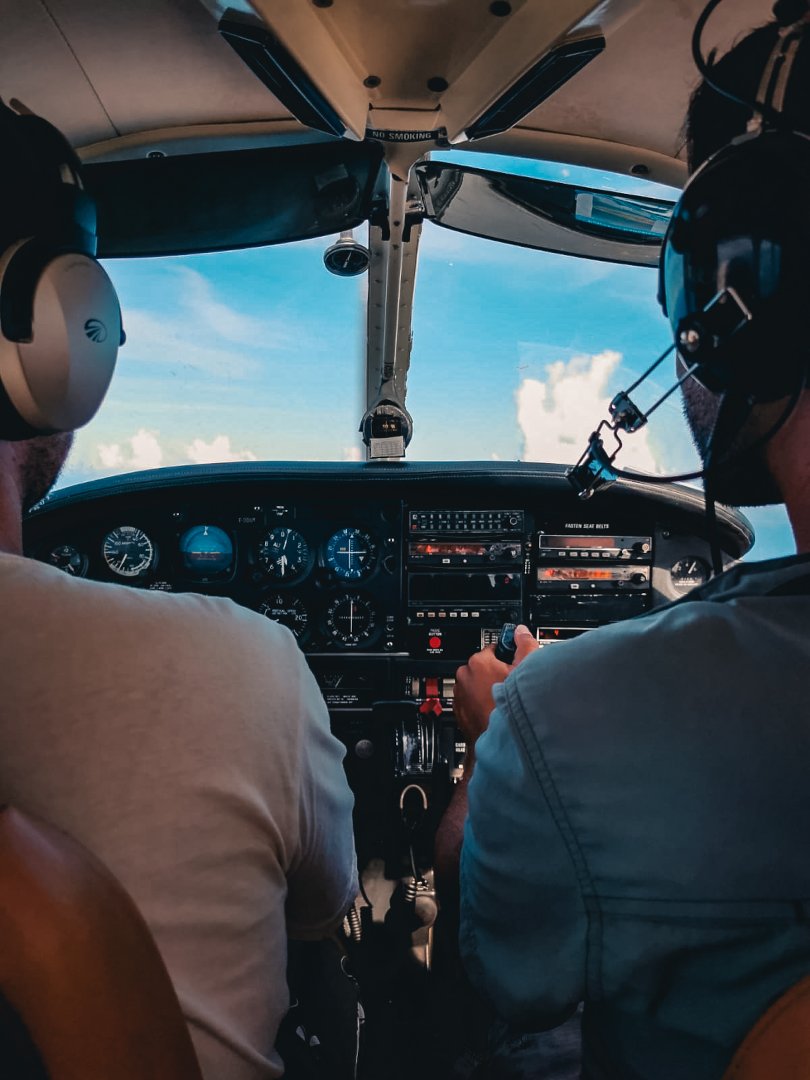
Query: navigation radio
[(464, 575), (582, 575)]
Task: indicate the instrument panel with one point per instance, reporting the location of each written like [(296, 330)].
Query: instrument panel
[(430, 571), (389, 577)]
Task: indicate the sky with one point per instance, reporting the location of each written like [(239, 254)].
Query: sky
[(258, 355)]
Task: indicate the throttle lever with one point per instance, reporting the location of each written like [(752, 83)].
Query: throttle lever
[(505, 647)]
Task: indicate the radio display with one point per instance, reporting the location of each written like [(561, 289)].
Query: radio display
[(550, 635), (582, 573), (610, 543), (448, 547), (454, 588)]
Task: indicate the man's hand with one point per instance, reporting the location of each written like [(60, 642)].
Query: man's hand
[(473, 702)]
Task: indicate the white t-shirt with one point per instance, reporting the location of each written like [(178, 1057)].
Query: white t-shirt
[(183, 740)]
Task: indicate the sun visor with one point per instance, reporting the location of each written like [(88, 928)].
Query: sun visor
[(546, 215), (231, 199)]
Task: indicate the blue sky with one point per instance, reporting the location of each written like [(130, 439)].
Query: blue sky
[(258, 355)]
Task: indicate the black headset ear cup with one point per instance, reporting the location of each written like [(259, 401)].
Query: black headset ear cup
[(56, 380)]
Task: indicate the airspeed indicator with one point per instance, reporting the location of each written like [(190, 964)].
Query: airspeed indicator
[(128, 551)]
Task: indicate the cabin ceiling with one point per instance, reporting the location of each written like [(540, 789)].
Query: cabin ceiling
[(115, 72)]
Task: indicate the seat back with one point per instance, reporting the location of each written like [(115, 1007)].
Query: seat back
[(778, 1046), (79, 969)]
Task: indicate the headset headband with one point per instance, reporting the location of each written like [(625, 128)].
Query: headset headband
[(769, 102)]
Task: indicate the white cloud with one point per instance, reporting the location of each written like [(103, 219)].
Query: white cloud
[(147, 450), (141, 451), (352, 453), (205, 310), (557, 414), (217, 450), (172, 342)]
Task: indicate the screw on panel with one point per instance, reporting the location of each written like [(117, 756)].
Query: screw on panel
[(372, 81), (155, 154), (437, 84), (640, 170), (322, 3), (500, 8)]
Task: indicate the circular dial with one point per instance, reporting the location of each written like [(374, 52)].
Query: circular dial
[(350, 619), (351, 554), (206, 550), (690, 572), (288, 610), (284, 554), (68, 558), (128, 551)]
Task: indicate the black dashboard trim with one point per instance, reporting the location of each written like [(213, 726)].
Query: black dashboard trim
[(736, 532)]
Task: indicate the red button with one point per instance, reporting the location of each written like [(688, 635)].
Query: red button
[(435, 643)]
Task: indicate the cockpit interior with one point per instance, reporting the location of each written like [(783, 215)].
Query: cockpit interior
[(361, 130)]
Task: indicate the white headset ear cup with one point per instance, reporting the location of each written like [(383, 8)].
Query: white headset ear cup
[(57, 381)]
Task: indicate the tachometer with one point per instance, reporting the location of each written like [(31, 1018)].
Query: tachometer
[(128, 551), (68, 558), (284, 554), (350, 554), (350, 620), (288, 610)]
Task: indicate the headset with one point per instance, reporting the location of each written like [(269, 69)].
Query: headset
[(734, 277), (60, 320), (734, 282)]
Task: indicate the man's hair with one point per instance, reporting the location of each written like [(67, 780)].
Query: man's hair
[(713, 120)]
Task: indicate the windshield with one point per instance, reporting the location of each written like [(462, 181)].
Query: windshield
[(258, 355)]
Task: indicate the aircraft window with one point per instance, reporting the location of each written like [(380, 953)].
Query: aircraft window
[(257, 355), (232, 356)]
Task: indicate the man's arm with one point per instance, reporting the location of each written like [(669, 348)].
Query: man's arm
[(473, 704), (523, 924), (322, 882)]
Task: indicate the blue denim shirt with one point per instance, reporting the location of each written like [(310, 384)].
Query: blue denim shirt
[(639, 829)]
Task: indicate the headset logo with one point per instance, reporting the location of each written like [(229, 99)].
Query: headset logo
[(96, 330)]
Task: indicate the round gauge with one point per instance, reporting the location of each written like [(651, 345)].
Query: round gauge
[(351, 554), (350, 620), (68, 558), (128, 551), (206, 550), (284, 554), (288, 610), (690, 572)]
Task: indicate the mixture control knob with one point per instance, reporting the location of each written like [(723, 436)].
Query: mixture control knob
[(505, 647)]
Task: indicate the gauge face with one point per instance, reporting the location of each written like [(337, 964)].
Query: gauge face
[(288, 610), (206, 551), (350, 620), (68, 558), (284, 554), (690, 572), (128, 551), (351, 554)]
